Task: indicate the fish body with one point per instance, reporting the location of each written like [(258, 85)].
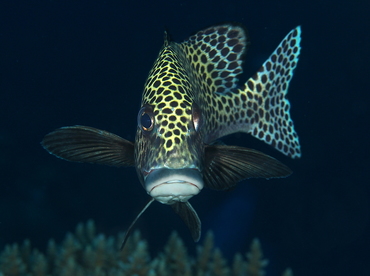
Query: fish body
[(190, 100)]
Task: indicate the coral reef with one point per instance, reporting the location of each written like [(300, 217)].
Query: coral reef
[(86, 253)]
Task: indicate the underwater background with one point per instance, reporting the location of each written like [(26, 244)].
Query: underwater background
[(85, 62)]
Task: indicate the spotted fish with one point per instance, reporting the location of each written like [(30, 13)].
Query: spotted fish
[(190, 100)]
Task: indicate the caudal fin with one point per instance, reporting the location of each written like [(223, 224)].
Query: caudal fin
[(267, 113)]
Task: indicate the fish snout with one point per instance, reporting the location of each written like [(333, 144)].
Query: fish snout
[(173, 185)]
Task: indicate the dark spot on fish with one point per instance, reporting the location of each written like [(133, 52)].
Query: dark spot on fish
[(183, 119), (187, 98), (167, 111), (292, 43), (255, 131), (209, 31), (168, 98), (212, 53), (256, 117), (167, 92), (280, 145), (181, 90), (177, 140), (176, 132), (261, 112), (271, 128), (217, 83), (157, 84), (220, 46), (177, 95), (151, 94), (232, 33), (168, 143), (238, 48), (264, 79), (221, 65), (259, 87), (250, 85), (176, 81), (232, 57), (222, 31), (260, 134), (225, 51), (161, 105), (216, 59), (174, 104), (232, 65), (183, 128), (273, 58), (178, 112), (224, 74), (210, 67), (164, 123)]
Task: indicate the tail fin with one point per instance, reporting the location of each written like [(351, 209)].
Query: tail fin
[(267, 108)]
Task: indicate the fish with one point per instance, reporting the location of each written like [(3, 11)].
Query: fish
[(191, 99)]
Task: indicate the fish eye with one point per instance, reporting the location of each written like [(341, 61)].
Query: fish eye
[(196, 117), (145, 118)]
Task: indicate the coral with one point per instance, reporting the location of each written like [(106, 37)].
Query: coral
[(86, 253)]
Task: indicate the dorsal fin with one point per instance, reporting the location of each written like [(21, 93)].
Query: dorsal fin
[(216, 54), (166, 38)]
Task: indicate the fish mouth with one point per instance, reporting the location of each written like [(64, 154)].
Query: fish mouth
[(173, 185)]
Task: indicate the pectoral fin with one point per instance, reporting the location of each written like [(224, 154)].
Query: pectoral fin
[(227, 165), (190, 217), (89, 145)]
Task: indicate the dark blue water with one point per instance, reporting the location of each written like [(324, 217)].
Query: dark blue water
[(65, 63)]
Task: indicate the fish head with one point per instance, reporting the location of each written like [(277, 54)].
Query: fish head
[(169, 150)]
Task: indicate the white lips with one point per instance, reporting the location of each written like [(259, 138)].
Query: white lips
[(169, 186)]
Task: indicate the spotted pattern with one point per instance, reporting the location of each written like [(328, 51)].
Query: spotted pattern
[(217, 56), (259, 107), (169, 91), (203, 70)]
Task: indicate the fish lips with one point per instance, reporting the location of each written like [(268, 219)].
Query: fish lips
[(173, 185)]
